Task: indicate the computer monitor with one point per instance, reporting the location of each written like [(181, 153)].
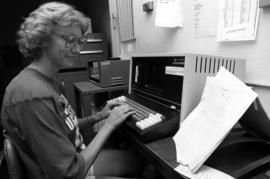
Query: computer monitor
[(107, 73), (159, 78), (179, 79)]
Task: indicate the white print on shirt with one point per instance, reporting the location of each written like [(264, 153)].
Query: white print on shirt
[(69, 123), (72, 122)]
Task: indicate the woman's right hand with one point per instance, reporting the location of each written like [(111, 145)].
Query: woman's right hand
[(118, 115)]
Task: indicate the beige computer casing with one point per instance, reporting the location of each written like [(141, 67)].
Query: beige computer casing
[(196, 68)]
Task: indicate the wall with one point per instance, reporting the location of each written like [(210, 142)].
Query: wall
[(153, 39)]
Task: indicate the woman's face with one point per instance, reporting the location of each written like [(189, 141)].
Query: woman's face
[(63, 45)]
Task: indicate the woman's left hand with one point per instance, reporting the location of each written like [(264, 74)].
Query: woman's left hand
[(105, 112)]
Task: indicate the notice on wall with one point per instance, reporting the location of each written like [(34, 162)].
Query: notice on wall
[(204, 21), (169, 13), (238, 20)]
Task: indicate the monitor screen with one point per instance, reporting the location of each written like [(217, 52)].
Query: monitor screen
[(159, 77)]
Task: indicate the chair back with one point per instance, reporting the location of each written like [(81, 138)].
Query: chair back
[(15, 166)]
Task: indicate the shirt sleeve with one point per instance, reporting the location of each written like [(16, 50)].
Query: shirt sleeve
[(43, 127)]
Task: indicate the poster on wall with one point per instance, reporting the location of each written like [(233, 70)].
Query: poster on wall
[(238, 20), (169, 13), (204, 20)]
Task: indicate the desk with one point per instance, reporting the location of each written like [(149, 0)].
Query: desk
[(240, 155), (84, 92), (160, 153), (244, 156)]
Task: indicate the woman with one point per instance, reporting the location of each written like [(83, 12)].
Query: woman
[(38, 118)]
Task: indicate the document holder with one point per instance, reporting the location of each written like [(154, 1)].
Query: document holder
[(245, 152)]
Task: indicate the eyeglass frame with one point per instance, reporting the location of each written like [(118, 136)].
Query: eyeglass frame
[(81, 41)]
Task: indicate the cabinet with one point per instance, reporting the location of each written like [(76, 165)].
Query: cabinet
[(95, 49)]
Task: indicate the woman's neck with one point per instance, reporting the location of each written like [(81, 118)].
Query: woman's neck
[(44, 67)]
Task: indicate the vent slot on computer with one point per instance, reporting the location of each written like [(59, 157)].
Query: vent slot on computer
[(117, 80), (211, 65)]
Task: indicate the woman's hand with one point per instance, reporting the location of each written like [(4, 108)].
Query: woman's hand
[(105, 112), (117, 115)]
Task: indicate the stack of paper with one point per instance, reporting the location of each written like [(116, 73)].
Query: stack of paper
[(224, 100)]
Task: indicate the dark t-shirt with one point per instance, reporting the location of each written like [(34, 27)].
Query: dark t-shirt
[(43, 126)]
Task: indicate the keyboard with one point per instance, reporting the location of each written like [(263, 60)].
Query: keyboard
[(144, 117), (148, 124)]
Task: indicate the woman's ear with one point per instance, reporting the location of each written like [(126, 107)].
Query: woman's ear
[(44, 45)]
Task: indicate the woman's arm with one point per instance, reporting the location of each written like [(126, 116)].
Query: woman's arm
[(90, 120), (103, 114), (44, 131), (117, 116)]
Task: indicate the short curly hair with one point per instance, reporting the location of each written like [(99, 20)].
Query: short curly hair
[(36, 28)]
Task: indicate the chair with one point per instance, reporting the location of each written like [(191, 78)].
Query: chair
[(14, 163)]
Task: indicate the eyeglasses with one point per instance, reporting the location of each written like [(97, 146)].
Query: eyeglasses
[(72, 41)]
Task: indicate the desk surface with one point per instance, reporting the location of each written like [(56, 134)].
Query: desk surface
[(239, 155), (161, 153), (87, 87)]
